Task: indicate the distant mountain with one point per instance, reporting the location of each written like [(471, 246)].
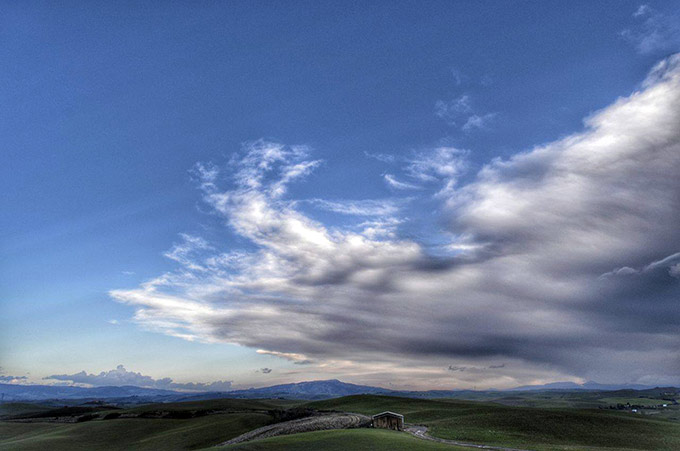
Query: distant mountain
[(39, 392), (302, 390), (590, 385), (332, 388)]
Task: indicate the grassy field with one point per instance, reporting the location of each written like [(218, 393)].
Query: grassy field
[(128, 434), (211, 422), (238, 416), (581, 399), (351, 439), (18, 408), (522, 427)]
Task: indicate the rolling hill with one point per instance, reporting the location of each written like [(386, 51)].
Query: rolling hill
[(202, 424)]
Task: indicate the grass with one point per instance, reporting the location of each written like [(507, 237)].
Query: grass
[(342, 440), (466, 421), (20, 408), (236, 417), (581, 399), (129, 434), (521, 427)]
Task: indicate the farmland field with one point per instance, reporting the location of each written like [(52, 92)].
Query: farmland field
[(205, 424), (522, 427)]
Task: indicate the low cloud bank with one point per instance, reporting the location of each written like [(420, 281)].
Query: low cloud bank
[(120, 376)]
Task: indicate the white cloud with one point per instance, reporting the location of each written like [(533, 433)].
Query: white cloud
[(5, 379), (441, 165), (380, 228), (383, 157), (367, 207), (459, 111), (183, 252), (298, 359), (479, 122), (120, 377), (642, 10), (667, 263), (452, 110), (523, 287), (437, 164), (398, 184)]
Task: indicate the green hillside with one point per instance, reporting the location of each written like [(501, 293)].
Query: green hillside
[(209, 422), (19, 408), (202, 424), (521, 427), (128, 434)]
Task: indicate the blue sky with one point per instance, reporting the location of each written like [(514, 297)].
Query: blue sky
[(133, 141)]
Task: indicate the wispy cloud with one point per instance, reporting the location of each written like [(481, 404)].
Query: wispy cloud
[(298, 359), (441, 166), (457, 76), (459, 112), (393, 182), (451, 111), (655, 31), (183, 252), (434, 164), (366, 207), (383, 157), (476, 122)]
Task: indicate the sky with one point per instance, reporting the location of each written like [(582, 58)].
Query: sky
[(214, 195)]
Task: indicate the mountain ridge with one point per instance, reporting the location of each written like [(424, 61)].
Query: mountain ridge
[(309, 390)]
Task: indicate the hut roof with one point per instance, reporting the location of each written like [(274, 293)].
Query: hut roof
[(388, 413)]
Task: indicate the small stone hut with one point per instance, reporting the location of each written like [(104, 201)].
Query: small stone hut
[(389, 420)]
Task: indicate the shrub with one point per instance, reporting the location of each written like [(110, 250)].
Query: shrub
[(179, 414)]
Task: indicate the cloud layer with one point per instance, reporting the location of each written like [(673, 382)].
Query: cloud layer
[(516, 295), (120, 376)]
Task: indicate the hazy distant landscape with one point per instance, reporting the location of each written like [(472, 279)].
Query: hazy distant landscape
[(302, 390)]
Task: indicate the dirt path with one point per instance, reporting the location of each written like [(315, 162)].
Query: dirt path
[(421, 432), (309, 424)]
